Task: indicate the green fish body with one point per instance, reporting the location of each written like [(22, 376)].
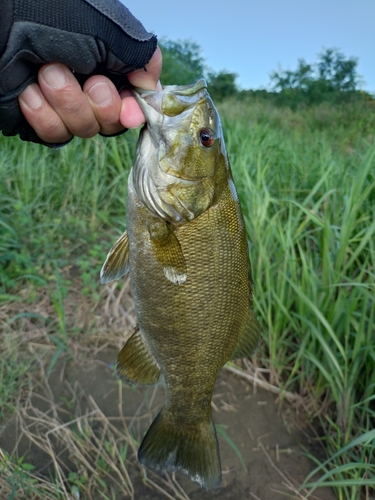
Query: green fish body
[(186, 251)]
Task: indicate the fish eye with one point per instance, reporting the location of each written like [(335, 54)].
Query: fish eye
[(206, 137)]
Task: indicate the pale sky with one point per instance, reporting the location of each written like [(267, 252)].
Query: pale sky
[(253, 37)]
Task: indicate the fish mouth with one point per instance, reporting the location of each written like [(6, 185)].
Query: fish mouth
[(182, 90), (171, 101)]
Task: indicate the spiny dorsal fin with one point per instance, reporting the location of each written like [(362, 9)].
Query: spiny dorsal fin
[(117, 261), (248, 340), (135, 363)]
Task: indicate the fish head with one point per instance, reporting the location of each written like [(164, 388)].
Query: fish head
[(180, 151)]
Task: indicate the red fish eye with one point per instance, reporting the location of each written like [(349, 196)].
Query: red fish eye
[(206, 137)]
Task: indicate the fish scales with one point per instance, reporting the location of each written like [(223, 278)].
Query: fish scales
[(186, 251), (188, 332)]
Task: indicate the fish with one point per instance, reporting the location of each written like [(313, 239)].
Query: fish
[(186, 250)]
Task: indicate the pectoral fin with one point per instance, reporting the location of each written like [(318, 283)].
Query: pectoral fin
[(249, 338), (168, 252), (135, 363), (117, 261)]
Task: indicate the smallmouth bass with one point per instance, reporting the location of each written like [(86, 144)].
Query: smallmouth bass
[(186, 251)]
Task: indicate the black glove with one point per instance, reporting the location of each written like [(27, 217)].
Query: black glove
[(89, 36)]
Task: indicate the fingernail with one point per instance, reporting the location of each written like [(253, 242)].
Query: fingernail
[(101, 94), (31, 97), (54, 76)]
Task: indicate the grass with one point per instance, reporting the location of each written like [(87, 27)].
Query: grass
[(307, 187), (86, 453), (309, 205)]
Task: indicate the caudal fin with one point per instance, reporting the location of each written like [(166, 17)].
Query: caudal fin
[(193, 451)]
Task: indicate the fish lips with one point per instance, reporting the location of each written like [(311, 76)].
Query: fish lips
[(171, 101), (152, 115)]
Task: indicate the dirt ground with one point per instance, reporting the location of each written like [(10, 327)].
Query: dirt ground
[(251, 427)]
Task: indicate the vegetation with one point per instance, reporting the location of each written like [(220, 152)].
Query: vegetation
[(182, 58), (308, 197), (333, 78), (222, 85), (306, 180)]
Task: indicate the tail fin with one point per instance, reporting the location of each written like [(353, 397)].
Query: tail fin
[(195, 452)]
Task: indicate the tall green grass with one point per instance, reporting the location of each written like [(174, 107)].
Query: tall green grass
[(309, 204), (54, 208), (307, 187), (51, 200)]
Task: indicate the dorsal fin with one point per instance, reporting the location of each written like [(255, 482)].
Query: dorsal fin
[(248, 340)]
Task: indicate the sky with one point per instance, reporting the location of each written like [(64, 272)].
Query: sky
[(255, 37)]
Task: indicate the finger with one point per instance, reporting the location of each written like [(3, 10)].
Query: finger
[(41, 116), (66, 97), (148, 78), (105, 102), (131, 115)]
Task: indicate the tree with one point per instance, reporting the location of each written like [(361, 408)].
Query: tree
[(222, 85), (298, 79), (182, 62), (332, 78), (341, 72), (184, 65)]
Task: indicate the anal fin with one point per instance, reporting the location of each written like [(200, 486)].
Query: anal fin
[(135, 363), (248, 340), (117, 261)]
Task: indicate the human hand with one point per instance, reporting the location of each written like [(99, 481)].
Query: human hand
[(58, 108), (99, 40)]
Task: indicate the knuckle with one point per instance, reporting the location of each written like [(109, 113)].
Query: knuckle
[(78, 116), (108, 121), (69, 104), (109, 129), (85, 129), (54, 130)]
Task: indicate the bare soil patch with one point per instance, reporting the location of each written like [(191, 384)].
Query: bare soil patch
[(82, 415), (80, 427)]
